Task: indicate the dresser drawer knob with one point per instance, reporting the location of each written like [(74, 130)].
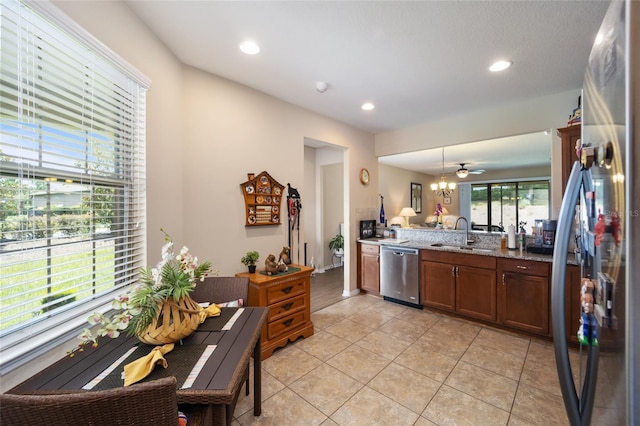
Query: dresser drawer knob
[(287, 306), (288, 322)]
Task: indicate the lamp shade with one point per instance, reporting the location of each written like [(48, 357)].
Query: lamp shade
[(396, 220), (407, 212)]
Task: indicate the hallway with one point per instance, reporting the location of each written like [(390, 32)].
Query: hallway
[(327, 288)]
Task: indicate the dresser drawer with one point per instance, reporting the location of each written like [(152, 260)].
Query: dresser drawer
[(285, 324), (286, 307), (370, 248), (285, 291), (528, 267)]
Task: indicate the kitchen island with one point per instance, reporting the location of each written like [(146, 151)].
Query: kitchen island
[(510, 289)]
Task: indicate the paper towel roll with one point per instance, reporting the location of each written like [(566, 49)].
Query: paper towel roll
[(511, 237)]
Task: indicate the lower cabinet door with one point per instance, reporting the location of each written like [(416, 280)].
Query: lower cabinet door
[(476, 292), (524, 302), (438, 285), (371, 273)]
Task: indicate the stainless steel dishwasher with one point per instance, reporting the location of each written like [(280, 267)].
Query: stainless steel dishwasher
[(400, 275)]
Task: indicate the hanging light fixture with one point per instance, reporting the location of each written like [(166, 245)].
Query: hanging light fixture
[(442, 188)]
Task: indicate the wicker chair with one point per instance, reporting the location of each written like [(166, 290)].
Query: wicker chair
[(150, 403), (219, 290)]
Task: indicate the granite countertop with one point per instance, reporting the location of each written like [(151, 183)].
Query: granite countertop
[(476, 250)]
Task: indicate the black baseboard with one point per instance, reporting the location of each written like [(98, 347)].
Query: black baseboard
[(402, 302)]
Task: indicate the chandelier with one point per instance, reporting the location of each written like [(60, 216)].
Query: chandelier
[(442, 188)]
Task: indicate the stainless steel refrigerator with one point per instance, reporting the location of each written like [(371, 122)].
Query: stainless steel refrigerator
[(601, 211)]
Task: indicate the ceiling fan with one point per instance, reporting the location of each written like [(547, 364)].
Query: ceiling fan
[(463, 172)]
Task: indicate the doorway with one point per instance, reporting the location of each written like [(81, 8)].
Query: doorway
[(324, 189)]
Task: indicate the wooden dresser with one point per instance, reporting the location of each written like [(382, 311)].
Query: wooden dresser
[(288, 298)]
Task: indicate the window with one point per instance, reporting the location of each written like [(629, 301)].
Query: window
[(494, 206), (72, 177)]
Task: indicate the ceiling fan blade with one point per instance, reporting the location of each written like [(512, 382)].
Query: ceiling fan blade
[(477, 172)]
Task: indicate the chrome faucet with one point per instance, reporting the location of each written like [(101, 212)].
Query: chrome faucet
[(466, 238)]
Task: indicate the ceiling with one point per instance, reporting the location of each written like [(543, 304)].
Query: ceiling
[(417, 61)]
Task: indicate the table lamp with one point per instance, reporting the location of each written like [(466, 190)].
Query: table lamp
[(407, 212)]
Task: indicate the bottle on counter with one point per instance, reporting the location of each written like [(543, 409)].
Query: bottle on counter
[(503, 241), (522, 237)]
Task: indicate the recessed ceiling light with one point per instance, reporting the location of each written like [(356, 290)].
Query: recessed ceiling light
[(500, 66), (249, 47), (367, 106)]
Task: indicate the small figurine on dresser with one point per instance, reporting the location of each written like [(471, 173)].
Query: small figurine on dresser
[(270, 265), (284, 256), (282, 267)]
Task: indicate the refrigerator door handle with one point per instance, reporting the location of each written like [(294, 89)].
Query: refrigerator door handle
[(578, 410)]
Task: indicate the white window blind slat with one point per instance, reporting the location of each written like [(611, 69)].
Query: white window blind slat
[(72, 175)]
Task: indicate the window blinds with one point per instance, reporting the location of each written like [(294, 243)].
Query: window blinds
[(72, 177)]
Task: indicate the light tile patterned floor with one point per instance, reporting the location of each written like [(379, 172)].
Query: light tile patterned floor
[(375, 362)]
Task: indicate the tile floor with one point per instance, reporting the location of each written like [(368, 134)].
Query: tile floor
[(375, 362)]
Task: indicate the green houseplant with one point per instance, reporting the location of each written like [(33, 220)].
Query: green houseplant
[(337, 243), (250, 260)]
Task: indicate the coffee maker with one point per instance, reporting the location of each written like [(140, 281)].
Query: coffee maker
[(545, 236)]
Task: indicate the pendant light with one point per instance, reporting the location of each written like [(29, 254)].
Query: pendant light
[(442, 188)]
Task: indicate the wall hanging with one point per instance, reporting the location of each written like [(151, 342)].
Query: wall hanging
[(262, 200)]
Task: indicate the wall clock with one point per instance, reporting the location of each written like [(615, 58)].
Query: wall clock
[(364, 176)]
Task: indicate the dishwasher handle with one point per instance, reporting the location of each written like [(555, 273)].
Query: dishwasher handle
[(400, 251)]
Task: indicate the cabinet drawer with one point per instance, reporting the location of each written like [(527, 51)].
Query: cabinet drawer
[(286, 307), (528, 267), (285, 324), (285, 291), (370, 248), (460, 259)]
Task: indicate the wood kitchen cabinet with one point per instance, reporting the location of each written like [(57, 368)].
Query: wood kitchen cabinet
[(369, 267), (438, 285), (568, 137), (463, 283), (524, 294)]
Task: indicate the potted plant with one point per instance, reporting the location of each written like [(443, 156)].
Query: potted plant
[(337, 244), (250, 260), (142, 310)]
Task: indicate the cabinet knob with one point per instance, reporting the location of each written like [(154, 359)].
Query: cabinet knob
[(522, 267), (503, 279)]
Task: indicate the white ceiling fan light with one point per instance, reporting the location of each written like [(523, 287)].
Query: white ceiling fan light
[(462, 172)]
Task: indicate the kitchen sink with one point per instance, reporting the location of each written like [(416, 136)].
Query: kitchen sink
[(465, 248)]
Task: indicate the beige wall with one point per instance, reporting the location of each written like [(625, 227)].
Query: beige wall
[(204, 134), (528, 116), (395, 187)]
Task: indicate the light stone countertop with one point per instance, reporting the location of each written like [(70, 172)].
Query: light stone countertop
[(480, 250)]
